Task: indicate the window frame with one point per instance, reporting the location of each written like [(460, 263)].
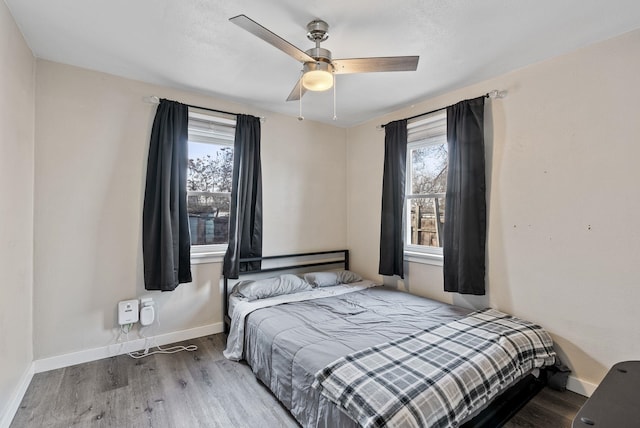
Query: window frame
[(208, 253), (413, 252)]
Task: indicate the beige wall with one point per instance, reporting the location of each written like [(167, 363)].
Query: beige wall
[(92, 136), (17, 67), (303, 167), (563, 232)]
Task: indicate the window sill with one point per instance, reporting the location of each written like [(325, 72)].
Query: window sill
[(423, 258), (207, 257)]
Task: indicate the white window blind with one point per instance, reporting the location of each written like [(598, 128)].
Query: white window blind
[(205, 128), (427, 128)]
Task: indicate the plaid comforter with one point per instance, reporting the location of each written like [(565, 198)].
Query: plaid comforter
[(436, 377)]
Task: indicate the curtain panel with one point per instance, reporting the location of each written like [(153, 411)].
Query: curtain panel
[(464, 238), (166, 243), (393, 197), (245, 222)]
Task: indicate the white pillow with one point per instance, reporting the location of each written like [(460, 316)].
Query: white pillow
[(269, 287)]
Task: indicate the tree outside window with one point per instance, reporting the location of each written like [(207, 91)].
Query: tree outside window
[(209, 177), (428, 183)]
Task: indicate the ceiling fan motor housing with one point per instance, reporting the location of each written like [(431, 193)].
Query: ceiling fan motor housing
[(320, 54), (317, 66)]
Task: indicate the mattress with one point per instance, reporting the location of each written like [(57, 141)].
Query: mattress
[(287, 344)]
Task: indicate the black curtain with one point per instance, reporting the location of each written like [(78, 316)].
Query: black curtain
[(245, 223), (166, 244), (393, 196), (465, 204)]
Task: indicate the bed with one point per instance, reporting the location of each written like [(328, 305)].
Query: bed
[(299, 343)]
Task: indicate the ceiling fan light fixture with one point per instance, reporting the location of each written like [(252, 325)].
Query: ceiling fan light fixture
[(317, 76)]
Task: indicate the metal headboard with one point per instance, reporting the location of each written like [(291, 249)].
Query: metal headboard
[(344, 260)]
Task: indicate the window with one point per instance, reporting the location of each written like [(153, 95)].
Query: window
[(209, 176), (426, 184)]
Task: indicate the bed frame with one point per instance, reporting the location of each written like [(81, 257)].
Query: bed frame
[(495, 415)]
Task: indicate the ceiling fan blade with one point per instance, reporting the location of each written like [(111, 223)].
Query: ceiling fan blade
[(256, 29), (295, 93), (369, 65)]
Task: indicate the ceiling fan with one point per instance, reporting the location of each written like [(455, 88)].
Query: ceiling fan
[(318, 66)]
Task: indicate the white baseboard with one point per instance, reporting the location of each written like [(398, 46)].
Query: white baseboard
[(16, 398), (580, 386), (66, 360)]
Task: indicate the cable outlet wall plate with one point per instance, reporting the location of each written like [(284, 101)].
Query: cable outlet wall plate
[(128, 312)]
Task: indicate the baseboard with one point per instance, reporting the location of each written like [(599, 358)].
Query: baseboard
[(16, 398), (66, 360), (580, 386)]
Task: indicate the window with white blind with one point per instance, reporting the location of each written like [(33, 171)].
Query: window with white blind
[(209, 176), (426, 183)]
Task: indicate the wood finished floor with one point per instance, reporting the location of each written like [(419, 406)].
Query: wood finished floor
[(195, 389)]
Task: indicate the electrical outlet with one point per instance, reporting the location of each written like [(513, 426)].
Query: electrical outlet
[(128, 312)]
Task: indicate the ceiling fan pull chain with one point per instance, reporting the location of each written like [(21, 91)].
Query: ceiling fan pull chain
[(335, 116), (300, 117)]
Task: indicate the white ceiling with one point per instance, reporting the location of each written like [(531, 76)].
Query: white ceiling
[(190, 44)]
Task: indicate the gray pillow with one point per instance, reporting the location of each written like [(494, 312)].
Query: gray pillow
[(327, 279), (269, 287)]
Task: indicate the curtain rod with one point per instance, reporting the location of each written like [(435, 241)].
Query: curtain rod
[(153, 99), (491, 94)]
